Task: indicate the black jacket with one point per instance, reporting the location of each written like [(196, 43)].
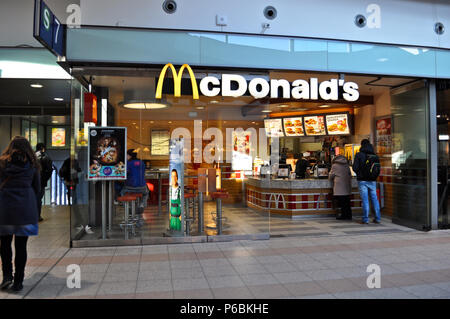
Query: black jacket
[(359, 161), (300, 168), (19, 195), (46, 167)]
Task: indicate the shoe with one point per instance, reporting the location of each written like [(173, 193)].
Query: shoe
[(7, 281), (376, 221), (17, 286), (41, 219)]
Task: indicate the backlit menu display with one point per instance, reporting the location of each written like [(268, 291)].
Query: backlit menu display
[(314, 125), (337, 124), (293, 126), (273, 127)]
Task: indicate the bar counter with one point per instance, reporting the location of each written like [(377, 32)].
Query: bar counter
[(295, 198)]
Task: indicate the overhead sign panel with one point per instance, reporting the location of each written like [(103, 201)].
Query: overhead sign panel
[(48, 30)]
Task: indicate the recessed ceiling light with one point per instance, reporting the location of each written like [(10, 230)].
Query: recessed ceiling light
[(58, 99), (284, 105), (214, 102), (55, 122), (37, 86), (324, 105), (200, 107), (266, 111)]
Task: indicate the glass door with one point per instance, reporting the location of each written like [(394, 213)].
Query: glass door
[(443, 132), (410, 156)]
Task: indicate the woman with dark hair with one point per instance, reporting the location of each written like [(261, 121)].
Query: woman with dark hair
[(19, 194)]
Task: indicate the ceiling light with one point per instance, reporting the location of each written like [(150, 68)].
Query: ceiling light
[(58, 99), (284, 105), (324, 105), (145, 106), (300, 109), (55, 122), (266, 111), (214, 102), (200, 107), (37, 86)]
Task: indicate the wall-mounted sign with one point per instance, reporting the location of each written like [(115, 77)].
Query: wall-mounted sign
[(293, 126), (48, 30), (273, 127), (235, 85), (337, 124), (241, 157), (107, 148), (58, 137), (383, 139), (314, 125)]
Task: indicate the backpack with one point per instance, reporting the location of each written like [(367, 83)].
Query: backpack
[(371, 167)]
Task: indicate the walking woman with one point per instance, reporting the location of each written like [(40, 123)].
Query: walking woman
[(19, 195)]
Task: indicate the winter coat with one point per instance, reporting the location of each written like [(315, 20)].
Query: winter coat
[(46, 167), (359, 161), (20, 194), (341, 176)]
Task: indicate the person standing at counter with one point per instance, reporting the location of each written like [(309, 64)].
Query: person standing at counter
[(367, 168), (301, 166), (342, 188)]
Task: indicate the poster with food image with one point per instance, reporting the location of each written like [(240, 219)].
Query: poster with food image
[(337, 124), (241, 152), (314, 125), (107, 148), (293, 126), (58, 137), (383, 139), (273, 127)]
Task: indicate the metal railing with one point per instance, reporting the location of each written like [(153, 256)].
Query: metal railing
[(56, 191)]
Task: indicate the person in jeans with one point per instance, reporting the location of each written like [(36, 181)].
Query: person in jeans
[(342, 185), (367, 185), (19, 194)]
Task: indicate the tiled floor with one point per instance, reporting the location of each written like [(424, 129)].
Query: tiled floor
[(413, 265)]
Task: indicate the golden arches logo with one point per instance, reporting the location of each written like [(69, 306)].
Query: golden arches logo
[(176, 81)]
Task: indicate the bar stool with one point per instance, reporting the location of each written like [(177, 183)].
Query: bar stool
[(217, 215), (189, 200), (134, 208), (126, 200)]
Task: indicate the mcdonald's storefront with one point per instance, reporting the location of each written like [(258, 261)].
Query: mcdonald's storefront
[(220, 132)]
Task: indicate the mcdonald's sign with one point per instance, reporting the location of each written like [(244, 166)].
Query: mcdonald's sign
[(176, 81), (260, 87)]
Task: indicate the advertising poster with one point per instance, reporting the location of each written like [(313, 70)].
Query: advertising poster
[(337, 124), (58, 137), (176, 187), (241, 157), (107, 147), (383, 139), (273, 127), (293, 126), (314, 125)]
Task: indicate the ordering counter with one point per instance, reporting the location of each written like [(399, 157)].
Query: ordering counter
[(299, 197)]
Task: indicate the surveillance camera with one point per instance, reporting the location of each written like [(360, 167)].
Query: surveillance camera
[(439, 28), (169, 6), (360, 21), (270, 12), (266, 25)]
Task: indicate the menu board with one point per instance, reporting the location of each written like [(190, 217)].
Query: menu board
[(383, 136), (337, 124), (273, 127), (58, 137), (293, 126), (314, 125), (107, 148)]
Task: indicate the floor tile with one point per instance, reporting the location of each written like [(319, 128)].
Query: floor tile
[(156, 285), (193, 294), (291, 277), (225, 282), (269, 291), (305, 289), (259, 279), (232, 293), (426, 291)]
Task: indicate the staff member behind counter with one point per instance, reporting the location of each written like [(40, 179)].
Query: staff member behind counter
[(301, 166)]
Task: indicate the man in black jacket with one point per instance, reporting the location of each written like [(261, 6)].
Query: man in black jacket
[(367, 185), (46, 164)]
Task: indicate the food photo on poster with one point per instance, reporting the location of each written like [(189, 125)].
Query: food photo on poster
[(293, 126), (337, 124), (107, 146), (314, 125)]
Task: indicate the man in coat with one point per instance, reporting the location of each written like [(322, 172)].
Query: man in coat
[(46, 173)]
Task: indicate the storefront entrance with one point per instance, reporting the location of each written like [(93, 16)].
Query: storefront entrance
[(238, 139)]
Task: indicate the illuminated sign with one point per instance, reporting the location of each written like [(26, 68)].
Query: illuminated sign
[(261, 88)]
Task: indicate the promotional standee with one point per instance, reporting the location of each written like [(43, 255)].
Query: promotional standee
[(176, 188), (107, 149), (107, 161)]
